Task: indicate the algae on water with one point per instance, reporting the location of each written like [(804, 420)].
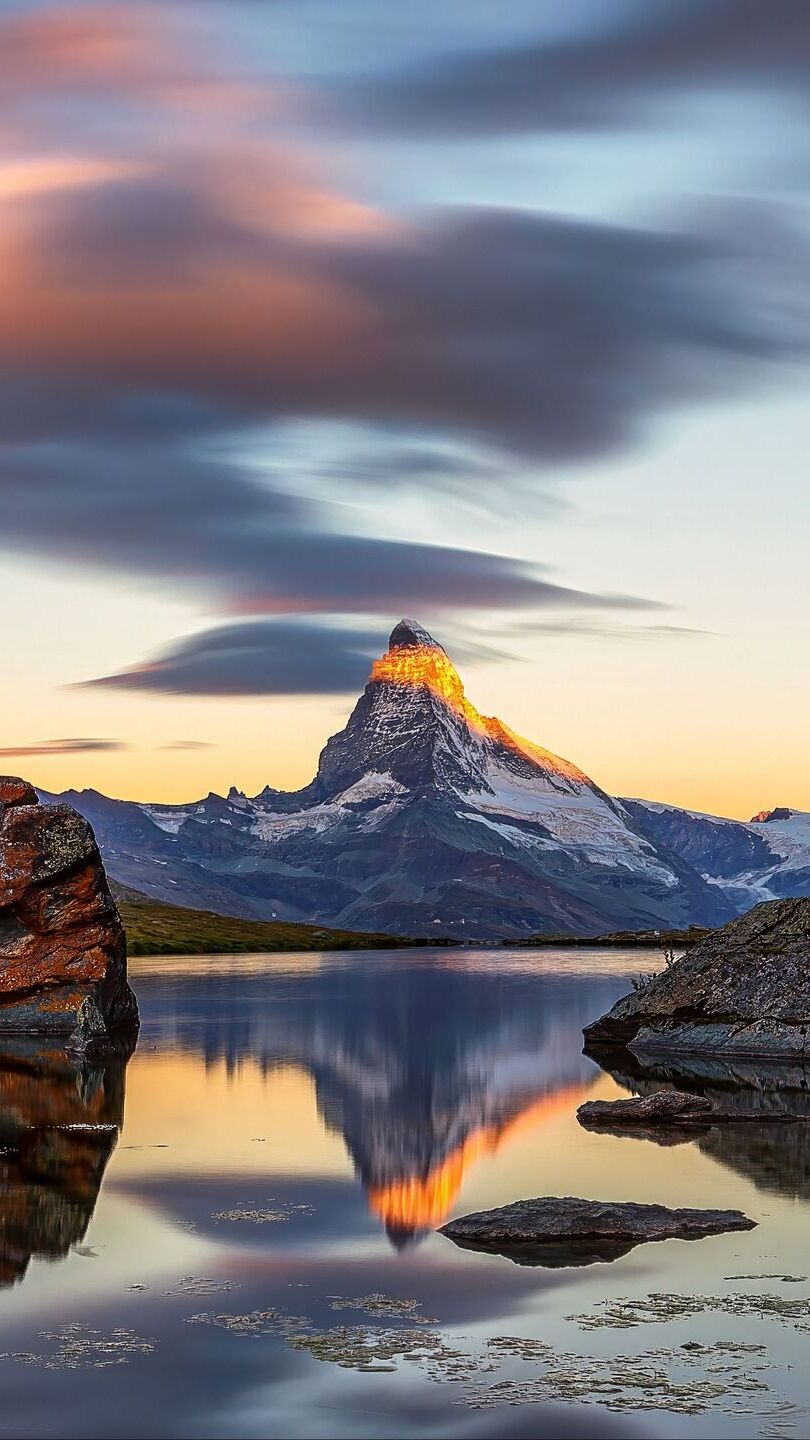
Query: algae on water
[(258, 1215), (657, 1308), (384, 1305), (78, 1346), (255, 1322)]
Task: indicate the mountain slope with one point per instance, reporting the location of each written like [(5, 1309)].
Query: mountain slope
[(154, 927), (425, 817), (766, 859)]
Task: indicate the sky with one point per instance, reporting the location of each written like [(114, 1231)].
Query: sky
[(315, 315)]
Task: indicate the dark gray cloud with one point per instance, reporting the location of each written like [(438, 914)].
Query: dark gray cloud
[(258, 657), (216, 530), (596, 78), (545, 339), (61, 747)]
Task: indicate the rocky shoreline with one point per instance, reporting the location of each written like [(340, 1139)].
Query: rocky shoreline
[(743, 991)]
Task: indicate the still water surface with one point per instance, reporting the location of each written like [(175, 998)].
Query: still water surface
[(292, 1131)]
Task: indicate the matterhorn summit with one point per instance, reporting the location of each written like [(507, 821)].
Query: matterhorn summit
[(414, 723)]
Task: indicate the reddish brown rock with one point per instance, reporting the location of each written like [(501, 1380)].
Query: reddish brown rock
[(61, 939), (16, 792)]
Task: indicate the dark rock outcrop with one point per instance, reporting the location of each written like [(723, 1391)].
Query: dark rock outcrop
[(745, 990), (561, 1232), (62, 946)]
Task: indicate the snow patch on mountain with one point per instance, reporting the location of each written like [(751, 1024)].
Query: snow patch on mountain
[(788, 837)]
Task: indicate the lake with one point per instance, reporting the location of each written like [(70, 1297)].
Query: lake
[(255, 1254)]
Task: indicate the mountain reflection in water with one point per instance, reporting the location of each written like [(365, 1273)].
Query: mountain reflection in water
[(422, 1067)]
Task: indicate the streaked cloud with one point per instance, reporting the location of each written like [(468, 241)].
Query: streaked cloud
[(571, 627), (625, 63), (39, 748), (260, 657), (188, 745), (216, 531)]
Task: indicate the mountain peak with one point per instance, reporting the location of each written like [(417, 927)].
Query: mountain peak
[(409, 634), (416, 663), (415, 660)]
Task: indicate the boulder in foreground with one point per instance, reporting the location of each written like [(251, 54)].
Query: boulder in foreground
[(745, 990), (560, 1232), (62, 945)]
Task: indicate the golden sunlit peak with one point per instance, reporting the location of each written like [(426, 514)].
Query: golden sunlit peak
[(414, 658)]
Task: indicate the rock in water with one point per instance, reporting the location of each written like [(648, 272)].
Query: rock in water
[(63, 958), (664, 1107), (745, 990), (667, 1116), (561, 1232)]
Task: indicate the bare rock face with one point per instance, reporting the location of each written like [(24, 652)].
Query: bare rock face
[(62, 945), (562, 1232), (745, 990)]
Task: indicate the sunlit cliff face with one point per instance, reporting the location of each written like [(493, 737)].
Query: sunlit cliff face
[(429, 667), (424, 1202), (418, 661)]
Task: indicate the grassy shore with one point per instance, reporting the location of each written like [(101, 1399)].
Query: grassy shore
[(621, 939), (154, 928)]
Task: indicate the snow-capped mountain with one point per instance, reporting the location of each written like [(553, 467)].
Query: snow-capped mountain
[(426, 817), (766, 859)]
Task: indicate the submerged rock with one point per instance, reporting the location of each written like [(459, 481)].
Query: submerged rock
[(561, 1232), (63, 966), (90, 1027), (745, 990)]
